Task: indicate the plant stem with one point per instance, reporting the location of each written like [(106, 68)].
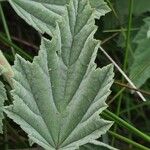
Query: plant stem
[(125, 60), (128, 34), (120, 30), (6, 28), (5, 135), (9, 43), (122, 72), (109, 115), (127, 140), (118, 94), (113, 10), (25, 43), (129, 87), (135, 107)]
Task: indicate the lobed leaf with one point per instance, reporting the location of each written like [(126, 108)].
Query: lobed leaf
[(42, 14), (59, 96)]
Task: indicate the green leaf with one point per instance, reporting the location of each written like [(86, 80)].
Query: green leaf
[(97, 145), (121, 8), (2, 99), (42, 14), (58, 97), (138, 7), (140, 69), (6, 71), (100, 5), (141, 7), (5, 68)]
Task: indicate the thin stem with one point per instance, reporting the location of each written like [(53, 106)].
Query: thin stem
[(125, 60), (6, 28), (122, 72), (127, 140), (109, 38), (117, 95), (135, 107), (10, 44), (109, 115), (117, 113), (128, 104), (124, 87), (129, 87), (128, 34), (25, 43), (113, 10), (120, 30), (5, 135)]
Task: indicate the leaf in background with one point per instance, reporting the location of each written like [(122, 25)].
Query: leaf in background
[(3, 97), (42, 14), (96, 145), (121, 9), (58, 97), (5, 68), (139, 7), (140, 69)]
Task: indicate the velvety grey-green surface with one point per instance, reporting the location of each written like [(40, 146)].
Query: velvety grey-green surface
[(43, 14), (2, 99), (59, 96)]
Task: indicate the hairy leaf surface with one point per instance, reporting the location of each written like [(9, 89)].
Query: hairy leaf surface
[(140, 70), (59, 96), (6, 71), (96, 145), (42, 14), (38, 14), (2, 99)]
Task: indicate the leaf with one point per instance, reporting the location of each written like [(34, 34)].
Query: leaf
[(100, 5), (140, 69), (141, 7), (97, 145), (2, 99), (121, 8), (6, 71), (5, 68), (42, 14), (58, 97)]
